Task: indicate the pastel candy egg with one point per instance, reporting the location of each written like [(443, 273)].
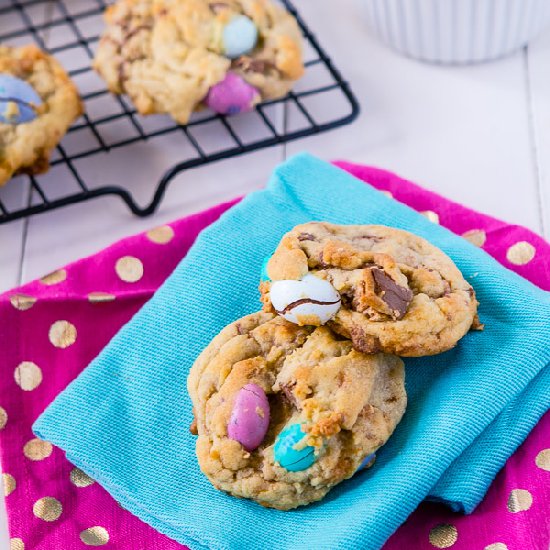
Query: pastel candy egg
[(14, 88), (250, 417), (263, 274), (239, 37), (17, 99), (232, 95), (289, 453), (367, 462), (309, 301)]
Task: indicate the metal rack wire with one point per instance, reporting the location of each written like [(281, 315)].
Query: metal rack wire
[(22, 21)]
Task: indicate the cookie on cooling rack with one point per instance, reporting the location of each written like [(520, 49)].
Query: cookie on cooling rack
[(176, 56), (38, 103), (283, 413), (386, 289)]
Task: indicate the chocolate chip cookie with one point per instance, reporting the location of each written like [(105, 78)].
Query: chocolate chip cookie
[(285, 412), (398, 293), (175, 56), (38, 103)]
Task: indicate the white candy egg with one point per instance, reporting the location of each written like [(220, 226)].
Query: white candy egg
[(310, 301)]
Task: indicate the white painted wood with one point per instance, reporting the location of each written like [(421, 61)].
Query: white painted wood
[(14, 196), (58, 237), (463, 132), (539, 85)]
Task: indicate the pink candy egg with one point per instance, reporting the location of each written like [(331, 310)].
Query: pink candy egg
[(250, 417), (232, 95)]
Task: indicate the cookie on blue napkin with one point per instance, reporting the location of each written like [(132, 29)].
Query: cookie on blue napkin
[(286, 412)]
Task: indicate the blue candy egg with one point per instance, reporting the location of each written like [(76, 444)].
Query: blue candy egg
[(263, 275), (239, 37), (17, 98), (290, 458), (13, 112), (367, 461)]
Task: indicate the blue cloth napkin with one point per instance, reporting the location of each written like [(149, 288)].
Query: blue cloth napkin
[(125, 419)]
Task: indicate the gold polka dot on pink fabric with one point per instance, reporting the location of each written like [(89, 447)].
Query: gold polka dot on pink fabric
[(9, 484), (3, 418), (62, 334), (80, 479), (37, 449), (47, 509), (28, 375), (22, 302), (520, 253), (519, 500), (161, 235), (431, 215), (95, 536), (476, 236), (443, 535), (129, 269), (100, 297), (542, 460), (54, 278)]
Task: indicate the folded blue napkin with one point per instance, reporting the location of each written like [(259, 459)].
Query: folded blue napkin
[(125, 419)]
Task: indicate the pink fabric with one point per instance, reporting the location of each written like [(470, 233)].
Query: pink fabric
[(25, 337)]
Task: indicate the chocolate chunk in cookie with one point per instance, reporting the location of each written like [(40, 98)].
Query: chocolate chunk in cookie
[(396, 297)]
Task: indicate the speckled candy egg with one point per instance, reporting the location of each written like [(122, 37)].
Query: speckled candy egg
[(239, 37), (232, 95), (17, 98), (250, 417), (289, 453), (310, 301)]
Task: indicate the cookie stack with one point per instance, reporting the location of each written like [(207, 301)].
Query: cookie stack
[(292, 400)]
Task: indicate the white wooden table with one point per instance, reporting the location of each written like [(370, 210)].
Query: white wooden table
[(479, 135)]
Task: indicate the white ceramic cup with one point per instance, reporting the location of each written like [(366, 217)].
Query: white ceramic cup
[(456, 31)]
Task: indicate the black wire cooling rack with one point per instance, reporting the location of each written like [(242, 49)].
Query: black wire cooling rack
[(69, 29)]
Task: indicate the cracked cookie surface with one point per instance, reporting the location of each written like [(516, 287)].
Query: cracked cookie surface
[(348, 403), (399, 293), (26, 147), (167, 54)]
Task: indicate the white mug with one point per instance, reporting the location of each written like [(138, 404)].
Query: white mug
[(456, 31)]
